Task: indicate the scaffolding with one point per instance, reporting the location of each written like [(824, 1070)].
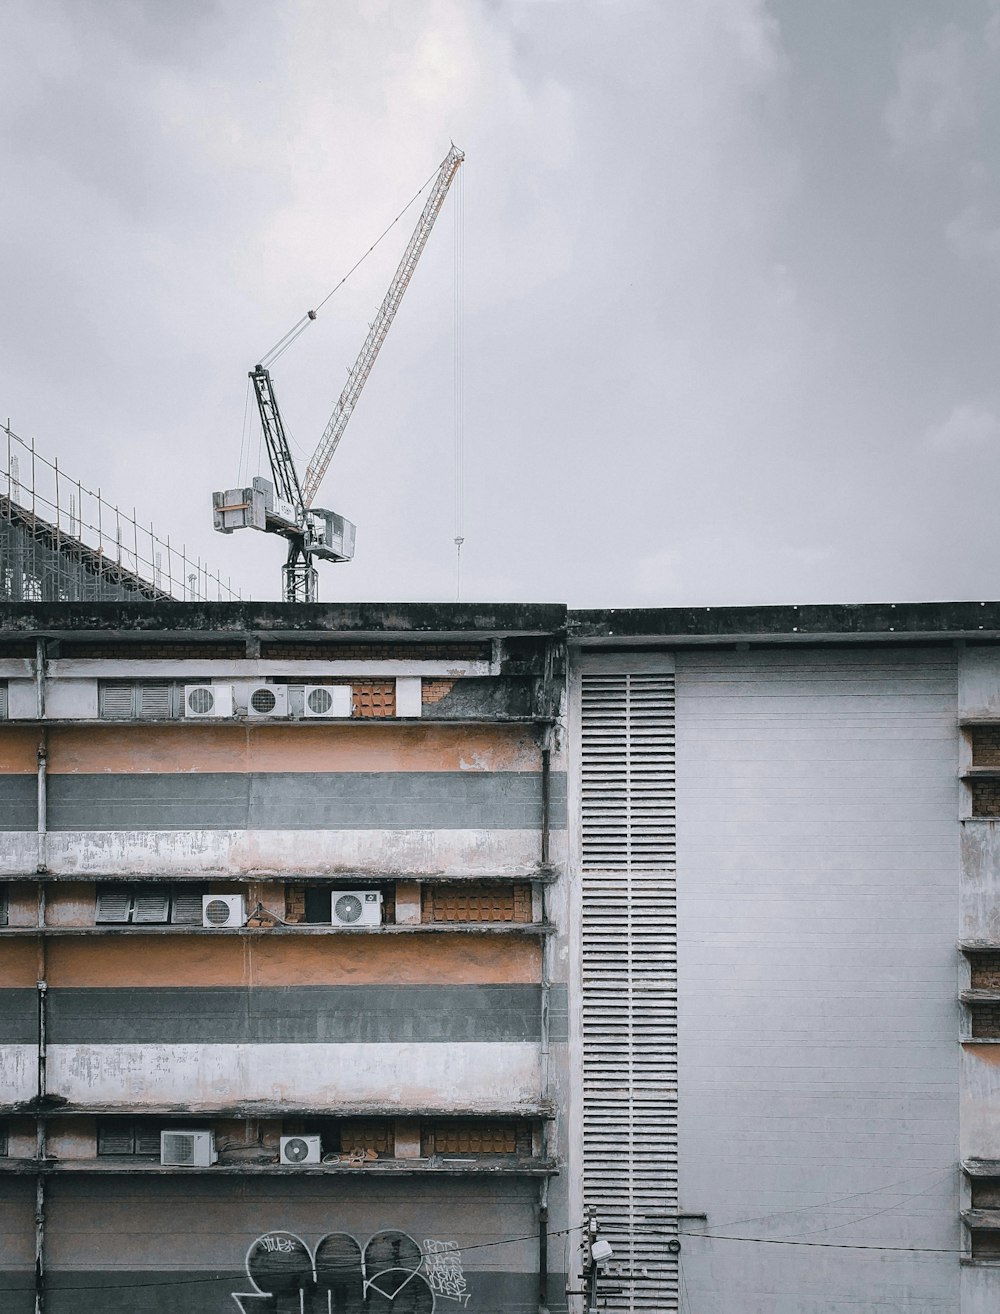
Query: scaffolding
[(62, 542)]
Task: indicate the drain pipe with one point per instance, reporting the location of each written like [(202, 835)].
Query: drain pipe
[(42, 846), (547, 950), (546, 793), (41, 868), (41, 1130), (41, 859), (543, 1247)]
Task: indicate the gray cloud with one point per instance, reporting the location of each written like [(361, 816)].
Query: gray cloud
[(713, 319)]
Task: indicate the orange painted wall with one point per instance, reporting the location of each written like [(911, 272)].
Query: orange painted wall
[(128, 749), (277, 960), (18, 751), (18, 963)]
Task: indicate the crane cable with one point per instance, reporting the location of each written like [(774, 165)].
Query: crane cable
[(298, 328), (459, 381)]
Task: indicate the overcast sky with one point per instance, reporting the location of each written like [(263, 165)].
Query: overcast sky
[(731, 283)]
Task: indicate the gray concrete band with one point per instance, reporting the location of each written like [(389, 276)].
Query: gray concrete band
[(357, 800), (219, 1015)]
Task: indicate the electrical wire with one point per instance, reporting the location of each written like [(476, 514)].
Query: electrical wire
[(226, 1277), (244, 438), (825, 1245), (300, 326), (839, 1199), (895, 1205)]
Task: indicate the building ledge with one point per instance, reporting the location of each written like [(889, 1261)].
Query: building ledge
[(541, 875), (980, 996), (981, 1167), (53, 1108), (982, 1220), (293, 929), (196, 722), (979, 946), (979, 1040), (378, 1168)]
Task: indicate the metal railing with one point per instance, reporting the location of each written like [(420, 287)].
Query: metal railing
[(61, 541)]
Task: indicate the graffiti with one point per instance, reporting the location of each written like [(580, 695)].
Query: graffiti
[(443, 1266), (389, 1276)]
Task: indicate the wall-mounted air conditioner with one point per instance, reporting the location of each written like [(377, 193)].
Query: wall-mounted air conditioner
[(187, 1149), (356, 908), (208, 700), (222, 910), (296, 1151), (326, 700), (267, 701)]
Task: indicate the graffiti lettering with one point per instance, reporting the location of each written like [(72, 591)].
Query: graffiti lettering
[(443, 1266), (390, 1275), (283, 1245)]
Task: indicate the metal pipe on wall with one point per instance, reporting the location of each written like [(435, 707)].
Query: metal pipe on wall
[(41, 1129), (41, 857), (543, 1246)]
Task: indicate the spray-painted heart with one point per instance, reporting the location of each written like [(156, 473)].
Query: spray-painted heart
[(339, 1278)]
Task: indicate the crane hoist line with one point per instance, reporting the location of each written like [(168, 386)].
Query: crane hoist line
[(283, 504)]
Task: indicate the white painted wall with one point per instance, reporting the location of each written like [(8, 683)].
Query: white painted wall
[(463, 1075), (818, 854), (388, 852)]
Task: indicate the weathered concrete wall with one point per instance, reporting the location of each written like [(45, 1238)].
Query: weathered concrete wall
[(181, 1245), (818, 904)]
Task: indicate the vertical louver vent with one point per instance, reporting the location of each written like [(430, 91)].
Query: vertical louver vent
[(628, 772), (629, 981)]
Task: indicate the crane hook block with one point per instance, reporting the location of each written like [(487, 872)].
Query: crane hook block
[(312, 314)]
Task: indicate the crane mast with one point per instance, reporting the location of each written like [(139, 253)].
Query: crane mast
[(362, 367), (285, 506)]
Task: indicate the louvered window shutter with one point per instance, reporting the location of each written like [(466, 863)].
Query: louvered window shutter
[(114, 903), (151, 905), (186, 909), (115, 1137), (154, 700), (3, 701), (117, 701), (627, 848), (147, 1139)]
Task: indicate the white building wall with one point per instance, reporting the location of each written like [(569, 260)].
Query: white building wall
[(818, 879)]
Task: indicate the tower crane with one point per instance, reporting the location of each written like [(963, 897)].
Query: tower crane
[(284, 504)]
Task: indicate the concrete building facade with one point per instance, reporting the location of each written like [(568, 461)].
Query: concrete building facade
[(190, 801), (688, 923)]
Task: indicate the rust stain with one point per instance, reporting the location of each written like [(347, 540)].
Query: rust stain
[(18, 964), (18, 751), (344, 747), (278, 960), (988, 1054)]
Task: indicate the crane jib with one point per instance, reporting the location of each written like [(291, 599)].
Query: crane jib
[(362, 367)]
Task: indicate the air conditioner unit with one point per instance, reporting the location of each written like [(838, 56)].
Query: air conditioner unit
[(208, 700), (221, 910), (267, 701), (187, 1149), (296, 1151), (326, 700), (356, 908)]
